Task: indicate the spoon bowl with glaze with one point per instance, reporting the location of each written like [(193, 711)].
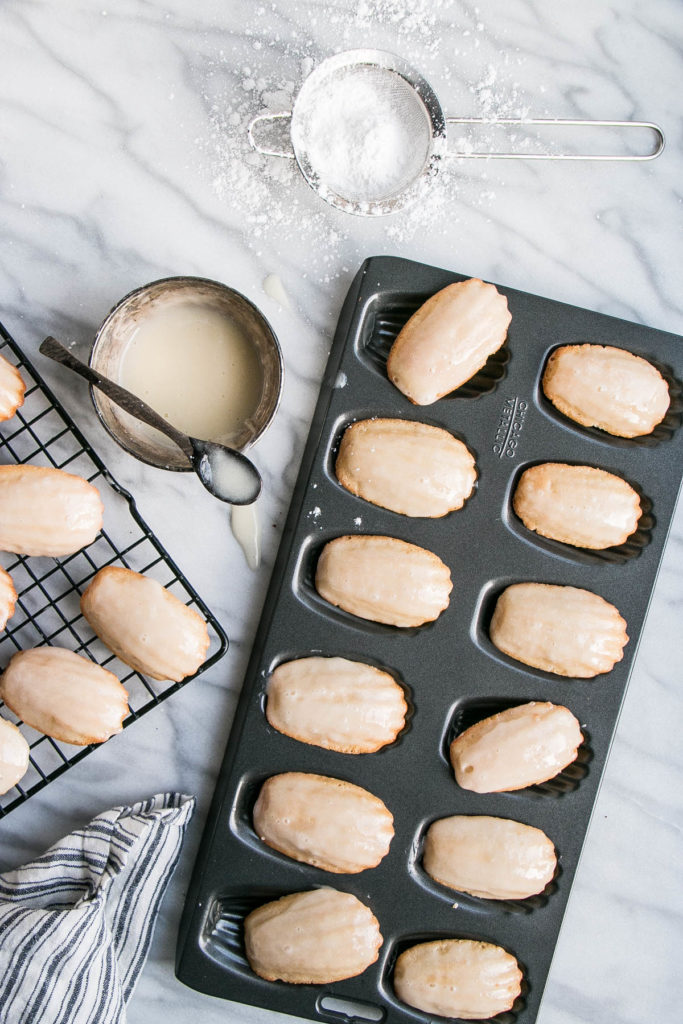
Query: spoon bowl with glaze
[(228, 474)]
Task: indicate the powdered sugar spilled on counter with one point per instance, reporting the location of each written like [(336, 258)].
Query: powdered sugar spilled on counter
[(269, 194), (265, 73)]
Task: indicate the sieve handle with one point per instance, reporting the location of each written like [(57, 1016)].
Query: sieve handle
[(658, 143), (262, 119)]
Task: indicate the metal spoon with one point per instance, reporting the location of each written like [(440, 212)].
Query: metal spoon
[(226, 473)]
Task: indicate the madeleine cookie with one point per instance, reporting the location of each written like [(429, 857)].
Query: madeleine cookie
[(383, 579), (63, 695), (578, 505), (312, 938), (145, 625), (8, 598), (12, 389), (46, 511), (14, 754), (565, 630), (407, 467), (606, 387), (335, 703), (458, 978), (448, 340), (325, 822), (495, 858), (519, 747)]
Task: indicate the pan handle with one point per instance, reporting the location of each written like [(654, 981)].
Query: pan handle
[(552, 122), (268, 118)]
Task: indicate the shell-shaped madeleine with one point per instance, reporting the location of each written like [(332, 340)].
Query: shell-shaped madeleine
[(607, 387), (407, 467), (8, 598), (519, 747), (448, 340), (565, 630), (14, 754), (145, 625), (63, 695), (45, 511), (458, 978), (325, 822), (312, 938), (578, 505), (495, 858), (335, 703), (383, 579), (12, 389)]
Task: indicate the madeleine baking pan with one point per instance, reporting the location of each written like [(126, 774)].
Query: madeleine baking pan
[(452, 674)]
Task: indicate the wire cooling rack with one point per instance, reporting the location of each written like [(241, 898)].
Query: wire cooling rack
[(49, 589)]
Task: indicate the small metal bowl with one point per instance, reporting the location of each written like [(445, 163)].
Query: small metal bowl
[(116, 331)]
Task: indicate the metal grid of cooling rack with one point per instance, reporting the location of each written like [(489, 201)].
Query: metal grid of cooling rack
[(48, 589)]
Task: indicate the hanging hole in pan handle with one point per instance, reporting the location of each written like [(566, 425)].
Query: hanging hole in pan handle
[(351, 1011), (547, 124), (256, 124)]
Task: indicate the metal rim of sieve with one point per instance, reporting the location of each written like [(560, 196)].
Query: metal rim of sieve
[(434, 120), (437, 124)]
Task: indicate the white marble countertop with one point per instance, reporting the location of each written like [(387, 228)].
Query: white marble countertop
[(123, 160)]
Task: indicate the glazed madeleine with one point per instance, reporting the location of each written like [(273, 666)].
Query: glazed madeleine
[(14, 754), (144, 625), (519, 747), (12, 389), (383, 579), (607, 387), (407, 467), (565, 630), (312, 938), (63, 695), (578, 505), (448, 340), (495, 858), (458, 978), (335, 703), (46, 511), (8, 598), (325, 822)]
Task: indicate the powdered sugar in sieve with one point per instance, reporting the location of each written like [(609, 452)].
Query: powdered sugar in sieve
[(367, 132), (364, 132)]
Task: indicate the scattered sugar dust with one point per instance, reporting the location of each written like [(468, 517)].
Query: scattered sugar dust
[(269, 194)]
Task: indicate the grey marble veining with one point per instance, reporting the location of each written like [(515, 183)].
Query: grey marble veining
[(123, 159)]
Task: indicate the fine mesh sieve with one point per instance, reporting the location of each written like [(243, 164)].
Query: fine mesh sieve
[(368, 133), (387, 122)]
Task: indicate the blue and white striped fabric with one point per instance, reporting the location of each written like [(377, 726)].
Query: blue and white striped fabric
[(76, 924)]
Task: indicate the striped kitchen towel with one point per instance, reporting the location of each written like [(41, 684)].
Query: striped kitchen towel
[(76, 924)]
